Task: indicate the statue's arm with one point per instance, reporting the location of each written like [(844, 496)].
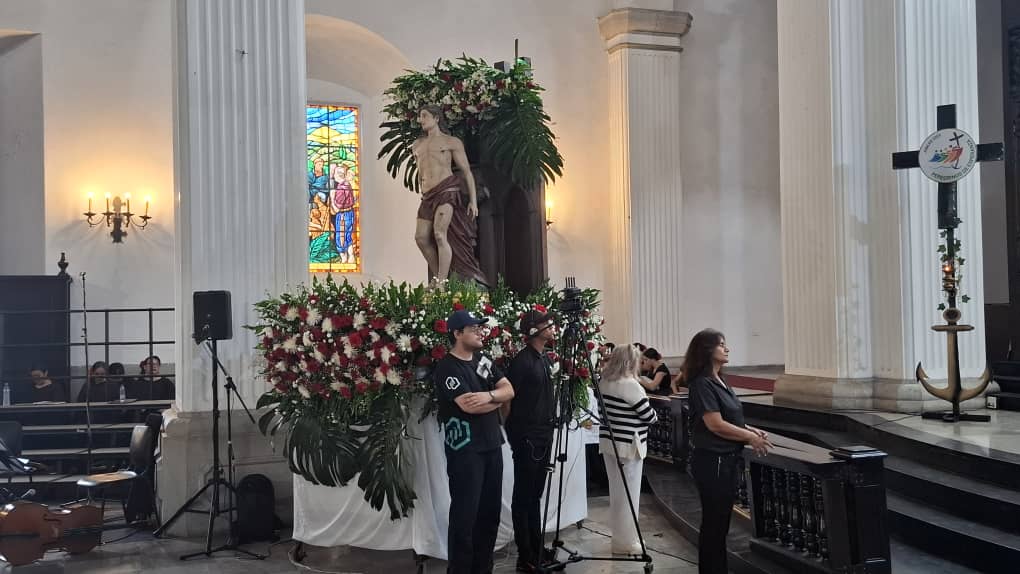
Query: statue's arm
[(461, 161)]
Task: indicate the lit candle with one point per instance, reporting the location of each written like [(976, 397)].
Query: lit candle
[(548, 210), (148, 198), (89, 195), (127, 196), (108, 202)]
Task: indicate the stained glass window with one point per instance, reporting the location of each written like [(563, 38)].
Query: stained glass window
[(334, 188)]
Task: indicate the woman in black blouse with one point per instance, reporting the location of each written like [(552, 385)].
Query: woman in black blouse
[(657, 379), (719, 435)]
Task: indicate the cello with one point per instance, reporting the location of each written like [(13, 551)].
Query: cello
[(28, 530)]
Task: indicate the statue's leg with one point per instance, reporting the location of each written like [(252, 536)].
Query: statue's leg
[(423, 237), (444, 214)]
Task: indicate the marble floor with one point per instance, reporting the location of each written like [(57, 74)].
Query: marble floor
[(671, 554)]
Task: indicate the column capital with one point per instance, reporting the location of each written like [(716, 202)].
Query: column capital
[(644, 29)]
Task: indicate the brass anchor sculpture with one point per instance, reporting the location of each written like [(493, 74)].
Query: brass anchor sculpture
[(954, 391)]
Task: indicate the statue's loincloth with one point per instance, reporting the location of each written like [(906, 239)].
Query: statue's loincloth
[(463, 231)]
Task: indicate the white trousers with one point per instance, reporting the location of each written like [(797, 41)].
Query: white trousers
[(621, 521)]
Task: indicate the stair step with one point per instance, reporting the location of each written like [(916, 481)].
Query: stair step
[(955, 538), (957, 494), (52, 453)]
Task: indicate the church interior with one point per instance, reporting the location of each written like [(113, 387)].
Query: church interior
[(222, 315)]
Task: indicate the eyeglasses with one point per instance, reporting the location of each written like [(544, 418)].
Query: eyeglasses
[(474, 328)]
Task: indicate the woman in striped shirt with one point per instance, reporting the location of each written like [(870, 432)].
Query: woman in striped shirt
[(628, 414)]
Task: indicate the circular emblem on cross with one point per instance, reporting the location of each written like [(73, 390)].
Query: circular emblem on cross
[(947, 155)]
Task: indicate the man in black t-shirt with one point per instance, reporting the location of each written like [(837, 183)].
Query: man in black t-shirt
[(530, 430), (471, 389)]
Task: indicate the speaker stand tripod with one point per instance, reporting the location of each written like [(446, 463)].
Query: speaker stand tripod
[(216, 481)]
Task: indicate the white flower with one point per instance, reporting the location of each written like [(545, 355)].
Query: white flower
[(306, 338), (319, 356), (281, 366), (491, 322), (290, 345), (393, 329), (349, 350), (497, 351), (303, 364), (374, 336), (292, 313), (359, 320), (380, 376), (385, 355), (393, 377), (336, 386), (327, 325), (304, 392), (404, 343), (472, 109), (335, 359), (313, 316)]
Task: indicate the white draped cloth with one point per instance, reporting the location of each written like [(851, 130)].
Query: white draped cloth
[(330, 516)]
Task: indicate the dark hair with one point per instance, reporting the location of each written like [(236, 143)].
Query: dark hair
[(640, 346), (115, 369), (610, 346), (38, 367), (651, 353), (156, 358), (98, 365), (436, 111), (698, 358)]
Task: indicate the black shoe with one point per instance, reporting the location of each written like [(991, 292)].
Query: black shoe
[(526, 567)]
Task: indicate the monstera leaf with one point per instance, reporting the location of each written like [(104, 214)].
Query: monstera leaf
[(382, 460)]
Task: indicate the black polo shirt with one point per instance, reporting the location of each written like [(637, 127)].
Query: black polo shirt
[(532, 409), (708, 396), (466, 432)]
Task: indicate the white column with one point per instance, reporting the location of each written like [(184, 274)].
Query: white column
[(240, 220), (642, 301), (239, 164), (860, 268)]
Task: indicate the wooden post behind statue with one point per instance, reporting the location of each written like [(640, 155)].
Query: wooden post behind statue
[(447, 230)]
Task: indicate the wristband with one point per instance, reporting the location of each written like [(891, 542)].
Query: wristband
[(492, 397)]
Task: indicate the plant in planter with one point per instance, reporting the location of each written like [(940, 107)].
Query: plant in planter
[(498, 115)]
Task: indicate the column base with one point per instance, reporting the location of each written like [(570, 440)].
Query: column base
[(892, 395), (185, 464)]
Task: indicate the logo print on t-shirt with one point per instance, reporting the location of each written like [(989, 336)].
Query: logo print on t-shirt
[(452, 383), (484, 367), (458, 433)]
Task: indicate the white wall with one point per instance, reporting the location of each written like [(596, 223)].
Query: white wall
[(993, 173), (106, 76), (22, 205), (730, 155)]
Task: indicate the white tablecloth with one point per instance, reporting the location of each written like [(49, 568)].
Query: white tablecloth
[(327, 516)]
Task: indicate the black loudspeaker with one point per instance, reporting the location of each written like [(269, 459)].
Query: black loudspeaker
[(212, 316)]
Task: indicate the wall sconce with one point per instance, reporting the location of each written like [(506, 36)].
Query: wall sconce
[(548, 212), (120, 218)]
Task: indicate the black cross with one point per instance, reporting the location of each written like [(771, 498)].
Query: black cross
[(947, 191)]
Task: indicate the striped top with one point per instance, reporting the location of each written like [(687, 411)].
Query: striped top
[(629, 415)]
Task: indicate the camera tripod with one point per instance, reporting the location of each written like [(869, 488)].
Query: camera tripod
[(572, 346), (217, 480)]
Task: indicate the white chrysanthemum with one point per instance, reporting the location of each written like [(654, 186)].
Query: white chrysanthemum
[(359, 320), (306, 338), (319, 356), (374, 337), (290, 345), (393, 377), (404, 343), (336, 386), (491, 322), (335, 359), (393, 329), (497, 351), (349, 350), (303, 364), (327, 325), (281, 366), (385, 355), (380, 376), (304, 392), (313, 317), (292, 313)]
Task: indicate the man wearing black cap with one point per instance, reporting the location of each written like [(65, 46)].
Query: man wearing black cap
[(530, 430), (470, 389)]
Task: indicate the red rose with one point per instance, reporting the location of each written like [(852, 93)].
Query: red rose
[(489, 310), (365, 303), (438, 352), (458, 306), (345, 322), (313, 366), (322, 348), (583, 372), (374, 386), (282, 387), (379, 323), (360, 388), (415, 344), (355, 340), (267, 342), (494, 332), (283, 310), (345, 392), (591, 346), (303, 313), (440, 326)]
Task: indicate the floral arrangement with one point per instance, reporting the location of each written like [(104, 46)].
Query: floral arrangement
[(501, 111), (343, 364)]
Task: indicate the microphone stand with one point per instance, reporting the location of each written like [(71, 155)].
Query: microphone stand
[(88, 378)]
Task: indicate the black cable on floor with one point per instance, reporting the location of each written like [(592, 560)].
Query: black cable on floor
[(647, 547)]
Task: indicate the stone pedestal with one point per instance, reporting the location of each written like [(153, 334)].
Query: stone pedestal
[(642, 302)]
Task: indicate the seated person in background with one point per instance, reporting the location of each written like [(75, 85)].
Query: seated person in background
[(117, 376), (44, 389), (657, 381), (97, 389), (641, 367), (150, 386)]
